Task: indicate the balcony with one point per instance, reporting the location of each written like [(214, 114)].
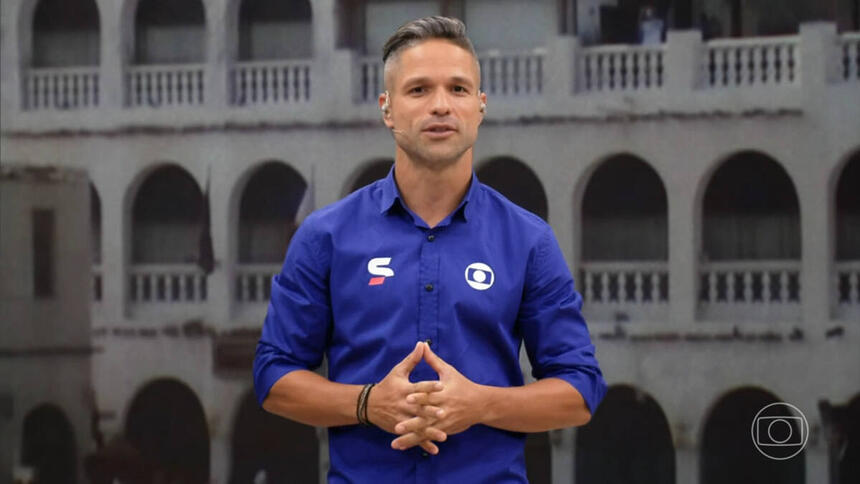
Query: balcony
[(755, 290), (166, 85), (173, 292), (683, 76), (252, 290), (255, 83), (625, 291), (848, 290), (61, 88)]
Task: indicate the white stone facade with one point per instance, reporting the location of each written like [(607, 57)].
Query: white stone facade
[(683, 107)]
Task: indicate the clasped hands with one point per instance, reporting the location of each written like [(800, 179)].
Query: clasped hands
[(427, 411)]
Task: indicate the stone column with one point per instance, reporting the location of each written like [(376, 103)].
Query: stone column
[(115, 54)]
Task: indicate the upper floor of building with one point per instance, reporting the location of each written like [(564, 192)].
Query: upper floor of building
[(97, 65)]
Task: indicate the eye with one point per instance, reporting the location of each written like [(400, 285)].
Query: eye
[(416, 90), (460, 89)]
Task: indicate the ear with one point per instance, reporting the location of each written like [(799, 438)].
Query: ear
[(482, 96), (385, 107)]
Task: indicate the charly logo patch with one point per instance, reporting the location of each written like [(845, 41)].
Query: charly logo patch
[(377, 268)]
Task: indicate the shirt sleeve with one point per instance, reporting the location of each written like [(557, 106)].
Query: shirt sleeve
[(554, 332), (298, 320)]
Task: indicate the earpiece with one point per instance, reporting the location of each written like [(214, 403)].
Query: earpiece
[(483, 108), (386, 105)]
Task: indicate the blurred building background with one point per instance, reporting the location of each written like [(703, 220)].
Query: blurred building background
[(700, 168)]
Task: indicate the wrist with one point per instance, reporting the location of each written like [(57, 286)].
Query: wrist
[(485, 404)]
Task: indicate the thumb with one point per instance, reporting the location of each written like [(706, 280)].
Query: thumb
[(407, 364), (438, 364)]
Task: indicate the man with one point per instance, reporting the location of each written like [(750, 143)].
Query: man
[(430, 265)]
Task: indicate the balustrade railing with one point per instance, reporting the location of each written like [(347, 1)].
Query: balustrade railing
[(61, 88), (848, 290), (849, 58), (512, 73), (158, 86), (508, 73), (371, 81), (750, 62), (275, 82), (753, 289), (167, 283), (621, 291), (621, 68), (254, 282)]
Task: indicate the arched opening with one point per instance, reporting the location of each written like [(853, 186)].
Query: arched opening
[(624, 242), (95, 225), (624, 213), (66, 33), (848, 211), (267, 212), (729, 453), (166, 218), (516, 181), (848, 239), (167, 427), (375, 170), (96, 240), (263, 443), (627, 442), (538, 458), (841, 425), (751, 211), (169, 32), (272, 29), (48, 445), (751, 239)]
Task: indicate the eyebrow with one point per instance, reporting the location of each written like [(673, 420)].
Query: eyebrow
[(424, 79)]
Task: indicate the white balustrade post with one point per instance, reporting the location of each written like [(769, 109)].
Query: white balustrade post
[(818, 56), (560, 68), (682, 62)]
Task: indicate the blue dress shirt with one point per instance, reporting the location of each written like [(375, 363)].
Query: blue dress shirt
[(365, 278)]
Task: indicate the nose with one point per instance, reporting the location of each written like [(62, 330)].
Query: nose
[(440, 103)]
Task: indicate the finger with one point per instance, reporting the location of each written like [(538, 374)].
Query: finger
[(407, 441), (427, 386), (432, 359), (414, 438), (433, 433), (407, 364), (414, 424), (425, 399), (429, 447), (430, 412)]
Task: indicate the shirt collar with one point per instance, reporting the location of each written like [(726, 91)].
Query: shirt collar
[(390, 194)]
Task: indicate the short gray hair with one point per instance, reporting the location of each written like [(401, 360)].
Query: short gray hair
[(417, 31)]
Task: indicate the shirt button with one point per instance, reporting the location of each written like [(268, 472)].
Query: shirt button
[(428, 341), (425, 454), (431, 237), (428, 287)]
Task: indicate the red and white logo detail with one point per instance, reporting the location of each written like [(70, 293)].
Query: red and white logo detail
[(376, 267)]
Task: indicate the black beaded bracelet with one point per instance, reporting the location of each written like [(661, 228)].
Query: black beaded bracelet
[(361, 405)]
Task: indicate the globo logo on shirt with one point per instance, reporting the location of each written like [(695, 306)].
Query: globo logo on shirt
[(480, 276)]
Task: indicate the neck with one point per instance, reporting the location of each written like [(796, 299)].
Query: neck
[(432, 193)]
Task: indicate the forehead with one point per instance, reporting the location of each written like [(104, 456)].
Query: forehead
[(434, 58)]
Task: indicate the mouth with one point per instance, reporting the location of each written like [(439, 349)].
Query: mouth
[(439, 130)]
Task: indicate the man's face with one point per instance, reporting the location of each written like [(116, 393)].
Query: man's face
[(434, 107)]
